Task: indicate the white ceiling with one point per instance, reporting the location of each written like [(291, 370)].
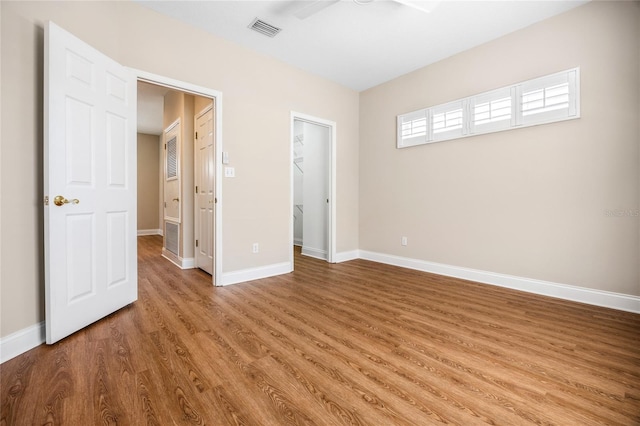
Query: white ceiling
[(361, 46)]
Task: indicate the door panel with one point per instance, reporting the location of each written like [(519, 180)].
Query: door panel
[(89, 160), (80, 237), (117, 250)]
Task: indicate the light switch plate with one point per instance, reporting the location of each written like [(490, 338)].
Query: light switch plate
[(225, 157)]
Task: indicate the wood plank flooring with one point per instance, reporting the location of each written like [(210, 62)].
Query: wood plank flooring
[(355, 343)]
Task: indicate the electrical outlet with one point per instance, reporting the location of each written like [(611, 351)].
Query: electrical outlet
[(256, 248), (403, 241), (229, 172)]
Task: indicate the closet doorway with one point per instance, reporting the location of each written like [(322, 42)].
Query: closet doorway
[(313, 186)]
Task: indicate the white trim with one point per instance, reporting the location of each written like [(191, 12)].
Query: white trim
[(623, 302), (21, 341), (332, 185), (217, 96), (260, 272), (143, 232), (182, 263), (345, 256), (314, 252)]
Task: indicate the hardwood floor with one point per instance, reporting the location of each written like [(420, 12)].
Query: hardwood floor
[(353, 343)]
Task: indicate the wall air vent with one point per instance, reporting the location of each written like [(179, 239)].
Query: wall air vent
[(172, 237), (264, 28)]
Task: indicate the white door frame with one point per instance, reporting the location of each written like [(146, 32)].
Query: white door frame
[(331, 237), (217, 96)]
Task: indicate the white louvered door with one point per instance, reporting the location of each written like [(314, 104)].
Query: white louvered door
[(89, 162)]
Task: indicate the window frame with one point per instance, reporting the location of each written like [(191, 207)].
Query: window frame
[(517, 119)]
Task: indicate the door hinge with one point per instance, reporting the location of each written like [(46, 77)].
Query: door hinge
[(215, 200), (196, 243), (46, 200), (196, 135), (196, 189), (165, 146)]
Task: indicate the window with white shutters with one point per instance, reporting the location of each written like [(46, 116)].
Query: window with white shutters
[(545, 99), (548, 99), (412, 128), (447, 121), (492, 111)]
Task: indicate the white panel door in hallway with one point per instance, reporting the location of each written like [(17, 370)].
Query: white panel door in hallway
[(90, 184), (205, 185)]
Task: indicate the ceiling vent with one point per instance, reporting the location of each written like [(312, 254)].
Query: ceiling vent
[(264, 28)]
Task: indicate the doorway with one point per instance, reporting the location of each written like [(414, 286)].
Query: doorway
[(313, 186), (190, 215), (90, 155)]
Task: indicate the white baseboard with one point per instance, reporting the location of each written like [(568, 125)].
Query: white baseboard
[(346, 256), (182, 263), (297, 242), (623, 302), (21, 341), (313, 252), (251, 274), (143, 232)]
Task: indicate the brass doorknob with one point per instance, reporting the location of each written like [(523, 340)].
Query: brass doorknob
[(60, 201)]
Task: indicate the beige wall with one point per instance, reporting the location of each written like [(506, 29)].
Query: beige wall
[(528, 202), (256, 90), (148, 181), (200, 103)]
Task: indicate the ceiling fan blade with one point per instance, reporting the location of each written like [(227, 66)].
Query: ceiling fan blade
[(313, 7)]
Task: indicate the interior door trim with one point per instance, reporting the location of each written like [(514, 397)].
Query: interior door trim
[(217, 96), (331, 254)]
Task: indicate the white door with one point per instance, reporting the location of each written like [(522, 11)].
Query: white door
[(90, 182), (204, 181), (316, 190)]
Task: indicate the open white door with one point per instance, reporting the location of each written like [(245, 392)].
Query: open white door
[(89, 184), (205, 188)]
